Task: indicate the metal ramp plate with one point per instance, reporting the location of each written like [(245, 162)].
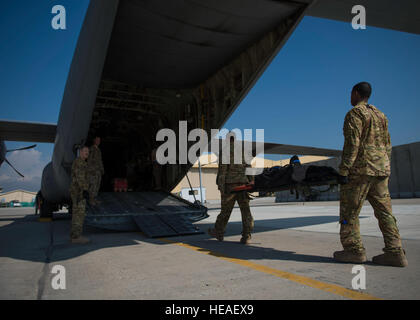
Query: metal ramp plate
[(153, 226), (180, 224), (165, 225)]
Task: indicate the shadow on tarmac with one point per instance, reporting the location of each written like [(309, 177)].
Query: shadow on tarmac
[(249, 252), (27, 239), (234, 249)]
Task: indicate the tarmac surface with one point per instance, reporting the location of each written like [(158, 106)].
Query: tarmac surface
[(290, 257)]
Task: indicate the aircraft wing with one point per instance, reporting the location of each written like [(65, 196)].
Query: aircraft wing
[(287, 149), (27, 131), (401, 15), (276, 148)]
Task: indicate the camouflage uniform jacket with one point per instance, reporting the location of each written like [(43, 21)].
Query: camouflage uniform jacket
[(231, 173), (79, 176), (95, 160), (367, 143)]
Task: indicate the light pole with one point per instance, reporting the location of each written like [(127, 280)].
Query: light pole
[(201, 188)]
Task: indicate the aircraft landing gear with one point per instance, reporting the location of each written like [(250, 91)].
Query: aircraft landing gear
[(46, 210)]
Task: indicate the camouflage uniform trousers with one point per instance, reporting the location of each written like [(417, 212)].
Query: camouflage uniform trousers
[(228, 201), (78, 217), (94, 184), (352, 197)]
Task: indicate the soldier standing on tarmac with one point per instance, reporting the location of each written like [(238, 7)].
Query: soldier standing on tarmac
[(229, 176), (96, 170), (79, 193), (365, 166)]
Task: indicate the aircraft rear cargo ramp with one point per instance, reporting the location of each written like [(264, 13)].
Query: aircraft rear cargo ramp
[(155, 213)]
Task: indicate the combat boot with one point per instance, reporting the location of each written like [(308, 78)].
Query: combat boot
[(391, 259), (215, 234), (350, 256), (246, 239), (80, 240)]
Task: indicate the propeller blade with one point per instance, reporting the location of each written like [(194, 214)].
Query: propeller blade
[(7, 161), (24, 148)]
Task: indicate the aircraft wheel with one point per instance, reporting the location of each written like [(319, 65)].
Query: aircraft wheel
[(46, 209)]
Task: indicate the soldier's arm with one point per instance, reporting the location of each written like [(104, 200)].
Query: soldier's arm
[(353, 127), (249, 177), (85, 183), (73, 171), (388, 145), (221, 177), (81, 177), (90, 158), (221, 173), (74, 174)]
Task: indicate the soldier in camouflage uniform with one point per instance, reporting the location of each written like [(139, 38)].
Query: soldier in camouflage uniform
[(365, 166), (78, 192), (230, 176), (96, 170)]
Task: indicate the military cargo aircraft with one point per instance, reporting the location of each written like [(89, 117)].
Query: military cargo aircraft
[(143, 65)]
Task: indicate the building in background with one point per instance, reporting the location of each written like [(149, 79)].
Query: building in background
[(405, 171), (22, 197)]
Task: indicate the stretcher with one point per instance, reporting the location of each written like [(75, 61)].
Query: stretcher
[(293, 176)]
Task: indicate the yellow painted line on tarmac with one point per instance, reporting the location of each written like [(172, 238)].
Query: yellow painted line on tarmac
[(331, 288)]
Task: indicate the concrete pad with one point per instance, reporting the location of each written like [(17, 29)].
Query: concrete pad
[(23, 245)]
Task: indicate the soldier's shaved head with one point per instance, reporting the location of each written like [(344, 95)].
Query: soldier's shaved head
[(84, 152), (360, 92), (364, 89)]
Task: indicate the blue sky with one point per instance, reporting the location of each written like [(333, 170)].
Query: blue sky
[(34, 63), (301, 98)]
